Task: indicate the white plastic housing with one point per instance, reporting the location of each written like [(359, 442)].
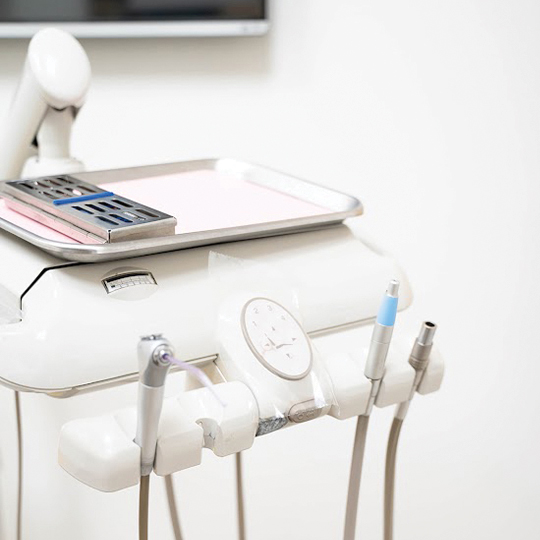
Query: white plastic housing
[(101, 452), (54, 146), (351, 388), (276, 396), (227, 428), (398, 380), (56, 74), (434, 373), (344, 353), (180, 440), (337, 278), (150, 403)]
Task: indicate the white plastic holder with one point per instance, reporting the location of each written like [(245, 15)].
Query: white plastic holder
[(352, 389), (101, 453), (398, 378)]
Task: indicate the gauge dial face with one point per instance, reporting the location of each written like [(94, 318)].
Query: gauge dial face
[(276, 338)]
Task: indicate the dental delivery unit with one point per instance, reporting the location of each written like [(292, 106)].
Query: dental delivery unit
[(247, 280)]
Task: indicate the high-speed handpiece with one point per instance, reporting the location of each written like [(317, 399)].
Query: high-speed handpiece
[(153, 369), (156, 356)]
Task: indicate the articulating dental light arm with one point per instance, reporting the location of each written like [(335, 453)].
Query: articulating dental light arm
[(374, 370), (52, 88), (419, 360)]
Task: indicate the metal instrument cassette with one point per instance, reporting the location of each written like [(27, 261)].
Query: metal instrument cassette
[(84, 211)]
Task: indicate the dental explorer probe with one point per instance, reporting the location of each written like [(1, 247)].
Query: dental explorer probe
[(374, 370), (419, 360)]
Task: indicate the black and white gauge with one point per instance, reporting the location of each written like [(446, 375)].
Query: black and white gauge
[(276, 338)]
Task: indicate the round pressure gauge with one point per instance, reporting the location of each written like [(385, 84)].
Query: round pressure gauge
[(276, 338)]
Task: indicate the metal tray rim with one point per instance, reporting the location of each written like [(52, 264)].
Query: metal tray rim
[(151, 246)]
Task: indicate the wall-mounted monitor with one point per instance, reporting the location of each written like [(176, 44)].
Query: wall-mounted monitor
[(135, 18)]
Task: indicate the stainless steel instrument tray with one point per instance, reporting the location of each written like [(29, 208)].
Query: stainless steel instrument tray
[(340, 206)]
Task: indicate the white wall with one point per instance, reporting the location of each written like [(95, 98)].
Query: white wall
[(428, 112)]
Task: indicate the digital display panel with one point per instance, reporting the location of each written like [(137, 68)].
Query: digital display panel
[(19, 11), (135, 18)]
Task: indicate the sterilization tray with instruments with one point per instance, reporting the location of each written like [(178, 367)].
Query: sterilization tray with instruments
[(121, 213)]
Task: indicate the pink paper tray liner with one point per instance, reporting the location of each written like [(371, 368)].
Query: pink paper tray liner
[(200, 200)]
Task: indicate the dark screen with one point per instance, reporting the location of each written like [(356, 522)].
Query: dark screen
[(129, 10)]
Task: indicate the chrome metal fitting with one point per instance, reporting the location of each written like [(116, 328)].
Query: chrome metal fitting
[(153, 365), (160, 353), (378, 350), (421, 350), (393, 288), (152, 337)]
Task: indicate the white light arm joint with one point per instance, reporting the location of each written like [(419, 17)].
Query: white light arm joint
[(53, 86)]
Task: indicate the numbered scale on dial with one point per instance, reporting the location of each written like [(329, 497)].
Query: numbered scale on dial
[(276, 338)]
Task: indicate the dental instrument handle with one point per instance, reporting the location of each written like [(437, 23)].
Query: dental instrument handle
[(150, 402), (374, 370), (380, 340), (419, 360), (153, 369)]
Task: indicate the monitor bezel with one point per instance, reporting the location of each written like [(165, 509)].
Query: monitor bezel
[(144, 29)]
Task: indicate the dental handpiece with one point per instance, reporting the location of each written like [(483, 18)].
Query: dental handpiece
[(419, 360), (381, 338), (374, 371), (153, 368)]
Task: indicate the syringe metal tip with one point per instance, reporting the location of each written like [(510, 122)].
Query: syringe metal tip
[(427, 331), (393, 288)]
